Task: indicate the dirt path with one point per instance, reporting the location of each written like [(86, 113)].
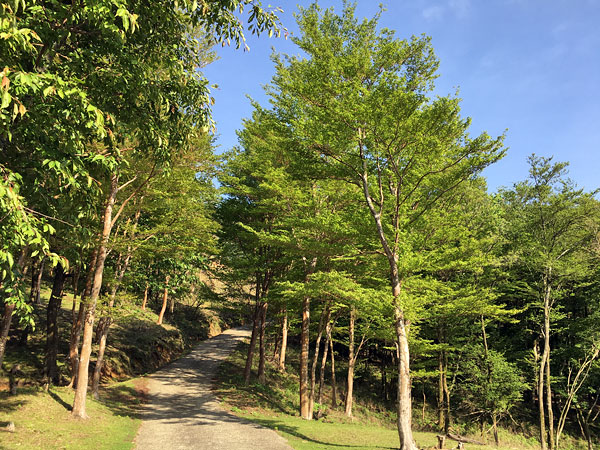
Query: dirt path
[(182, 412)]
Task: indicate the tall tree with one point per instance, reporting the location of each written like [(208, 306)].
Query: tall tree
[(548, 215), (358, 103)]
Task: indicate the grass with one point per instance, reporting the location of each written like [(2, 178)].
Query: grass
[(43, 421), (275, 405)]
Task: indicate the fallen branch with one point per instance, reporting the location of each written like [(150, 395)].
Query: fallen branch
[(459, 438)]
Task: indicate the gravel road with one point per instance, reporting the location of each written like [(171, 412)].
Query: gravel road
[(182, 412)]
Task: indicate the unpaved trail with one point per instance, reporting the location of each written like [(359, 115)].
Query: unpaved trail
[(183, 413)]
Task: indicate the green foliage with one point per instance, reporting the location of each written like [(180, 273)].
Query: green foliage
[(489, 383)]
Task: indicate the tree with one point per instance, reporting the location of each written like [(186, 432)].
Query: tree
[(359, 106), (548, 216)]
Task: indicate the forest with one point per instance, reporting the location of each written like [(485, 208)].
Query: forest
[(352, 221)]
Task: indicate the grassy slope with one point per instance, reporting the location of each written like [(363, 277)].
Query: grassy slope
[(275, 405), (136, 346), (42, 420)]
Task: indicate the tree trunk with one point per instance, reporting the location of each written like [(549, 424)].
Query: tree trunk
[(402, 325), (548, 380), (9, 309), (75, 289), (304, 343), (284, 336), (36, 282), (102, 334), (145, 296), (261, 343), (255, 323), (541, 409), (324, 362), (403, 399), (165, 298), (304, 348), (334, 396), (495, 428), (78, 321), (88, 329), (324, 319), (52, 337), (351, 362)]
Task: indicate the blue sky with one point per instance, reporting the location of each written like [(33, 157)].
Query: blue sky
[(529, 66)]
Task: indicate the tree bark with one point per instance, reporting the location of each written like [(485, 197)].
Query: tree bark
[(351, 362), (324, 319), (88, 329), (261, 343), (36, 282), (541, 409), (78, 321), (9, 309), (304, 343), (145, 296), (52, 336), (255, 324), (165, 298), (324, 362), (334, 396), (304, 349), (284, 336)]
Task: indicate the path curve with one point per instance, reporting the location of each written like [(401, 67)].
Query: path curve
[(183, 413)]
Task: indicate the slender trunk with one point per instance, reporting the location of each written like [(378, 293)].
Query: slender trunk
[(145, 296), (334, 396), (284, 336), (102, 334), (441, 406), (541, 409), (441, 380), (165, 298), (324, 319), (495, 428), (304, 343), (261, 343), (446, 395), (171, 306), (304, 349), (37, 270), (324, 362), (88, 329), (105, 322), (351, 362), (384, 387), (78, 321), (9, 309), (75, 289), (52, 337), (255, 323), (548, 381), (36, 281)]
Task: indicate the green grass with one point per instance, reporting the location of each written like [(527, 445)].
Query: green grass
[(43, 420)]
